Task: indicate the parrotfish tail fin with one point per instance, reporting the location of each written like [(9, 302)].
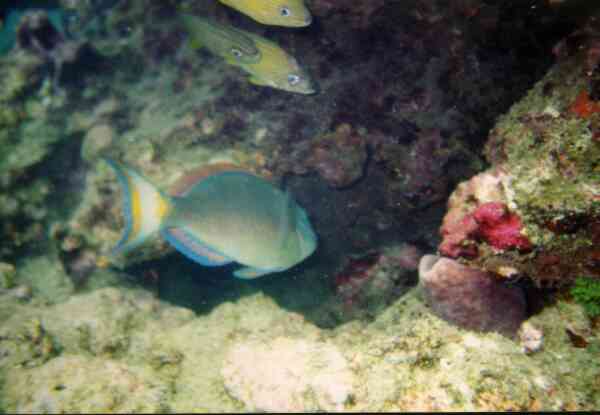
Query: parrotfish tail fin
[(193, 248), (144, 207), (249, 273)]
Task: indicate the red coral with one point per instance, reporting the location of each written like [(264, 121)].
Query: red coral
[(499, 227), (583, 106), (492, 222)]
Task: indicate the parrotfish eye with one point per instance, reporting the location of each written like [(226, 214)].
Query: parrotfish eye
[(284, 11), (293, 79), (236, 52)]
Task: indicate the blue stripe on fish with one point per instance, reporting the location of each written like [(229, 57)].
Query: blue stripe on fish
[(193, 248)]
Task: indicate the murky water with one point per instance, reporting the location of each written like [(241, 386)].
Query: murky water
[(288, 205)]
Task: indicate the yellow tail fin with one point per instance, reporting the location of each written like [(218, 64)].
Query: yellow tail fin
[(144, 207)]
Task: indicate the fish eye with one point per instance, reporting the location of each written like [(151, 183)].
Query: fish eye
[(284, 11), (293, 79), (236, 52)]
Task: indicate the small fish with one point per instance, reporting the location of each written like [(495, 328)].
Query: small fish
[(289, 13), (224, 41), (276, 68), (217, 215)]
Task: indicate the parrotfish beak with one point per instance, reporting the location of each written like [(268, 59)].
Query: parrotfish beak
[(308, 20)]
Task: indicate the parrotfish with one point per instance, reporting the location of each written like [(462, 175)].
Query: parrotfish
[(276, 68), (224, 41), (290, 13), (217, 215)]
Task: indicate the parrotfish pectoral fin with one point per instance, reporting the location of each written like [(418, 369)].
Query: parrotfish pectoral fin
[(287, 218), (249, 273), (144, 207), (192, 248)]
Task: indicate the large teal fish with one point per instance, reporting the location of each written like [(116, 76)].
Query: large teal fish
[(290, 13), (217, 215)]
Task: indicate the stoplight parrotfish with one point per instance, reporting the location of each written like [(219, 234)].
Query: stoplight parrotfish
[(224, 41), (217, 215), (270, 65), (289, 13)]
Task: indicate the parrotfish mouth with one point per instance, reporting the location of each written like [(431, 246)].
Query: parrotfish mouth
[(308, 20)]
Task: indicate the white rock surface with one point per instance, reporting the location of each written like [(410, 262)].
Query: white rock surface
[(288, 375)]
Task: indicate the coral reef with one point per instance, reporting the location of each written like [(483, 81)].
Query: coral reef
[(490, 222), (150, 355), (372, 157), (339, 157), (544, 183)]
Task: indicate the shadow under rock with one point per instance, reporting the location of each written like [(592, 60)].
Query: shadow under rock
[(184, 283)]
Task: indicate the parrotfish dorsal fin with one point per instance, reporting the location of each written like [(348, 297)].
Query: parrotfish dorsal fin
[(191, 178)]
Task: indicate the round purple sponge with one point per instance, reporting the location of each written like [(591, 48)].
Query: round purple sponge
[(470, 298)]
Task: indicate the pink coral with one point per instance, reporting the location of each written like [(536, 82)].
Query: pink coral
[(499, 227), (457, 236), (491, 222)]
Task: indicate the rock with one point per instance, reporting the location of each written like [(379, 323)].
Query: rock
[(288, 375), (469, 297), (97, 139), (80, 384), (7, 275)]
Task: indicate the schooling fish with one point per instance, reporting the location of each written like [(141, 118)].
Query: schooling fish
[(290, 13), (276, 68), (224, 41), (217, 215)]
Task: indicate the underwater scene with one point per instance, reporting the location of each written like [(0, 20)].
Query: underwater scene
[(299, 205)]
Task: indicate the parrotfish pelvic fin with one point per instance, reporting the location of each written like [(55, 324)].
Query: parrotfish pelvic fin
[(249, 273), (193, 248), (144, 207)]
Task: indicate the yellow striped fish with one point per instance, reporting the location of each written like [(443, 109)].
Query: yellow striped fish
[(276, 68), (224, 41), (289, 13), (217, 215)]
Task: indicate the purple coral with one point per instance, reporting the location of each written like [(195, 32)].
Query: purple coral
[(469, 297)]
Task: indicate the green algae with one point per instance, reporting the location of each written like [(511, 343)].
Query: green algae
[(586, 292), (552, 157)]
